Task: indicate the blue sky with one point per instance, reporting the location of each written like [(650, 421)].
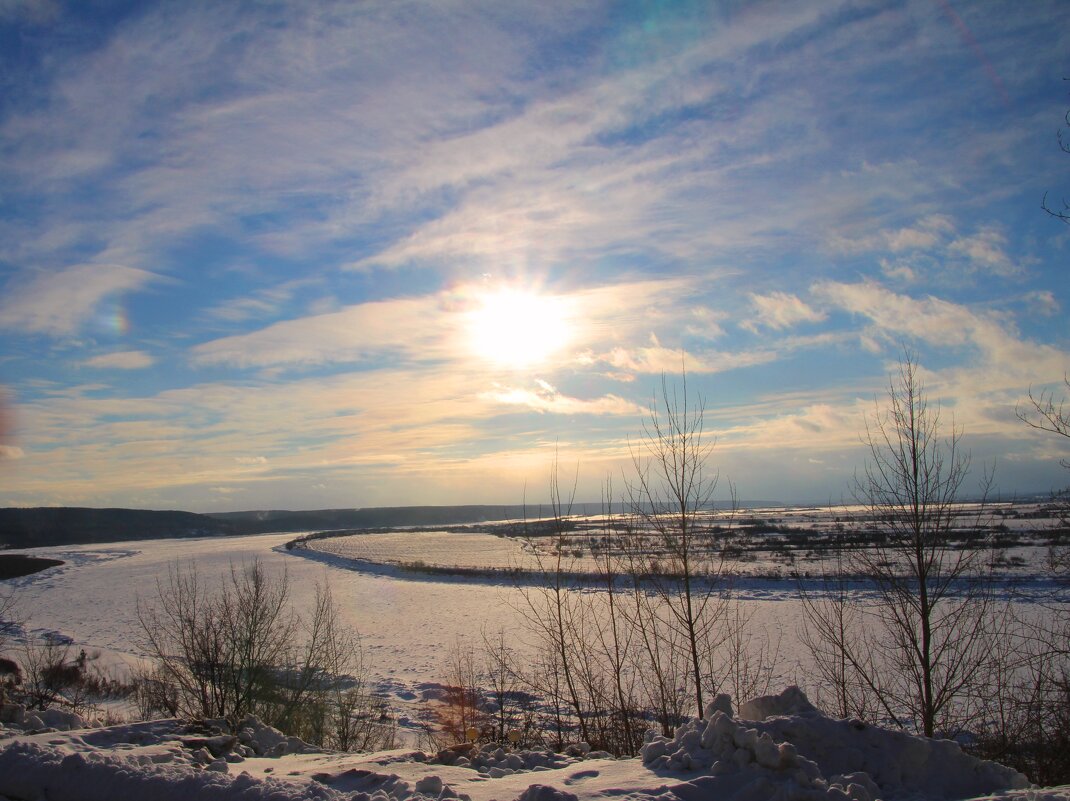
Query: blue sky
[(303, 254)]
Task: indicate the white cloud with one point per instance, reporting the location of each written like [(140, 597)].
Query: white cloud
[(9, 453), (656, 359), (899, 270), (910, 239), (121, 360), (437, 326), (926, 234), (986, 251), (547, 399), (1042, 302), (932, 244), (35, 12), (929, 319), (812, 426), (413, 327), (59, 303), (780, 310), (996, 359)]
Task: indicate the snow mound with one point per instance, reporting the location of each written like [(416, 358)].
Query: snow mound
[(264, 740), (368, 785), (16, 717), (33, 771), (799, 753), (792, 701), (542, 792), (495, 761)]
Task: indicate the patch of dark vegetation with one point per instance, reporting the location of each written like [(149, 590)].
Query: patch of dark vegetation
[(17, 565), (33, 527)]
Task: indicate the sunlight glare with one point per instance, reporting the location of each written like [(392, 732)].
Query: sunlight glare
[(518, 329)]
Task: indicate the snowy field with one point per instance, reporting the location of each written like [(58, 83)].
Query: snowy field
[(408, 621)]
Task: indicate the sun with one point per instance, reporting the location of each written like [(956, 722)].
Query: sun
[(518, 329)]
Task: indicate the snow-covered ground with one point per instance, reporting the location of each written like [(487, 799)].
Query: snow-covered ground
[(408, 622), (760, 543), (776, 748), (405, 626)]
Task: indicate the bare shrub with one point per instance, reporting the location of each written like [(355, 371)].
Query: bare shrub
[(244, 649), (461, 712), (47, 672)]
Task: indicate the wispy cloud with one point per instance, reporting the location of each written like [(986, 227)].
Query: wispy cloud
[(410, 327), (544, 397), (780, 310), (997, 362), (437, 326), (10, 453), (986, 252), (121, 360), (59, 303)]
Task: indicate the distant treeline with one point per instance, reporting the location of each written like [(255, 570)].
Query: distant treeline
[(38, 526), (28, 528)]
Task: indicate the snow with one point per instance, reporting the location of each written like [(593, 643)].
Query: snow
[(434, 548), (776, 747), (405, 626), (784, 740), (407, 622), (800, 756)]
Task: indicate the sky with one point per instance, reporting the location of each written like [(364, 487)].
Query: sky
[(337, 254)]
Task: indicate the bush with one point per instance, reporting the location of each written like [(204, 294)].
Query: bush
[(243, 649)]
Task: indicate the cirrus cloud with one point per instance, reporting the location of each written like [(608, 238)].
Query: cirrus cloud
[(121, 360), (59, 303)]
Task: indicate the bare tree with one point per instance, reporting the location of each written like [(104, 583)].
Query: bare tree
[(925, 562), (1033, 722), (551, 610), (671, 496), (615, 639), (663, 676), (320, 679), (1045, 413), (1062, 214), (746, 661), (462, 709), (505, 684)]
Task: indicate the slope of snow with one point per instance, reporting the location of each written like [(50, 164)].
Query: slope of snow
[(794, 753)]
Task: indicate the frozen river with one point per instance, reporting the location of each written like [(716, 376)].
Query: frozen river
[(407, 624)]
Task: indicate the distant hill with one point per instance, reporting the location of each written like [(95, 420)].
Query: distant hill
[(28, 528), (40, 526), (260, 522)]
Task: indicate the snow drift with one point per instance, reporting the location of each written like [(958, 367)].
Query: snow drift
[(785, 748), (779, 748)]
